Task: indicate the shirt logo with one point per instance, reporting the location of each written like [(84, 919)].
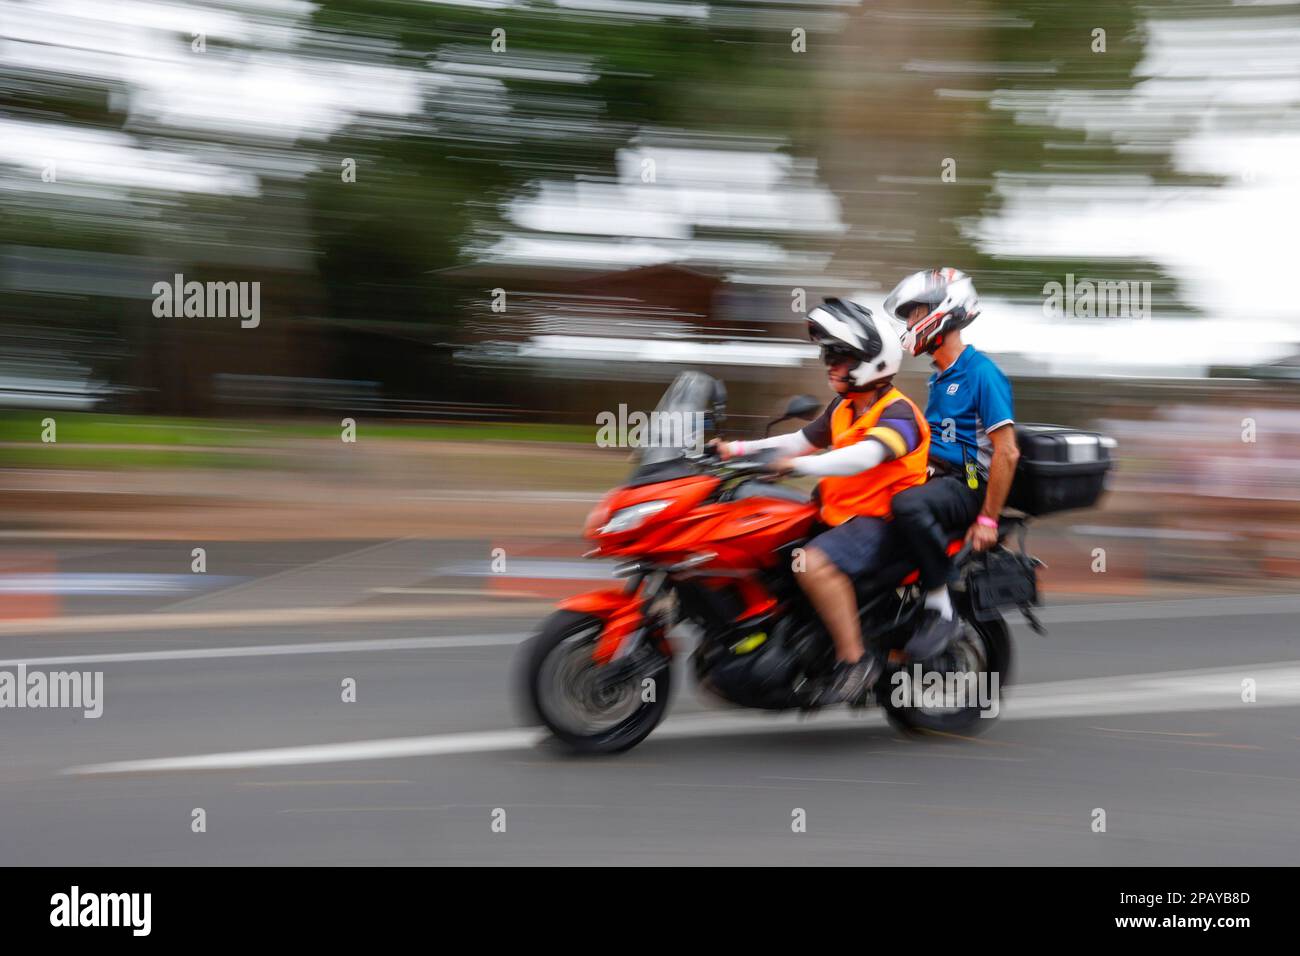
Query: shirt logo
[(952, 389)]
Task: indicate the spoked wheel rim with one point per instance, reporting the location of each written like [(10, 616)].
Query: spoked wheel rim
[(574, 697)]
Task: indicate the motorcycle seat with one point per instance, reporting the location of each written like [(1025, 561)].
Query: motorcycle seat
[(954, 546), (898, 573)]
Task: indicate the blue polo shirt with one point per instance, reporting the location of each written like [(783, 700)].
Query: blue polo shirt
[(968, 399)]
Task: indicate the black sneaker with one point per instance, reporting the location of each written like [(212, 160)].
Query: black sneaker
[(932, 635), (849, 682)]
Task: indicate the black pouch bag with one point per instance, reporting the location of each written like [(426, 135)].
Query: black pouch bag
[(1000, 578)]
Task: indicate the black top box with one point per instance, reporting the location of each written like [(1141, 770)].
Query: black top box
[(1061, 469)]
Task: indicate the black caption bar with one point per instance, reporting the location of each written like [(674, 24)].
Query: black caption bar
[(134, 906)]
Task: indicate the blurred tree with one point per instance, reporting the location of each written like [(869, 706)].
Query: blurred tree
[(565, 94)]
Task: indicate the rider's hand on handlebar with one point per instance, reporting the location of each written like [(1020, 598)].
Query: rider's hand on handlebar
[(716, 446), (781, 466)]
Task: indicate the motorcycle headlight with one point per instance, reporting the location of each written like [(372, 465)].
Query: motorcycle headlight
[(625, 519)]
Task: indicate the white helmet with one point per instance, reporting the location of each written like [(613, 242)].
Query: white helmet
[(950, 301), (844, 327)]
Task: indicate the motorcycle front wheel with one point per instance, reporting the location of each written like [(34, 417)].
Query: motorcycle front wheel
[(564, 690)]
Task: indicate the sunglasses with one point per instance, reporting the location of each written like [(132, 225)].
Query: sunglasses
[(834, 354)]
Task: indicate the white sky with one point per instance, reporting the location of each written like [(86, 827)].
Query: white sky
[(1225, 98)]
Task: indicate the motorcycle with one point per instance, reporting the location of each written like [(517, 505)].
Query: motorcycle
[(718, 543)]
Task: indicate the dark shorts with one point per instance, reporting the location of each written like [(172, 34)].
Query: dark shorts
[(858, 547)]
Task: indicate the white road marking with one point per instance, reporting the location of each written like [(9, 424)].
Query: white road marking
[(456, 592), (1277, 685), (480, 742), (277, 650), (112, 583), (550, 569), (271, 617)]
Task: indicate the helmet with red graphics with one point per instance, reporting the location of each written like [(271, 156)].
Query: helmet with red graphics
[(950, 303)]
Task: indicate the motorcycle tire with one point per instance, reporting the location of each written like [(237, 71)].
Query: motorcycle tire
[(558, 676), (995, 640)]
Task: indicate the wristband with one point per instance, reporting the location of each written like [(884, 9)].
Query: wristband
[(986, 521)]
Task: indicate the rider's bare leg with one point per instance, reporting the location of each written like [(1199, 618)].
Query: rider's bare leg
[(831, 593)]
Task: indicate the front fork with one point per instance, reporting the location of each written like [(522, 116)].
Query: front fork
[(634, 616), (657, 608)]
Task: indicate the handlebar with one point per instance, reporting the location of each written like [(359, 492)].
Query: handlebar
[(758, 464)]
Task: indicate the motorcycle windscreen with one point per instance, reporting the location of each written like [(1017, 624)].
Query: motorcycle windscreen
[(680, 423)]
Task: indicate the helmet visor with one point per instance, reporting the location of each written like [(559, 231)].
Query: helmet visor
[(832, 354)]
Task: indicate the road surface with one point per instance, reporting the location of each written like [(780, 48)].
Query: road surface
[(1133, 708)]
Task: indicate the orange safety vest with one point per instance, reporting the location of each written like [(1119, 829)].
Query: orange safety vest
[(870, 492)]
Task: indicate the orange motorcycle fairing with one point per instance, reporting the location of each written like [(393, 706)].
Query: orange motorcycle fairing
[(744, 534), (620, 611), (682, 494)]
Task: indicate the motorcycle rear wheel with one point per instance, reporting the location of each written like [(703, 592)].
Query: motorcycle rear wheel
[(562, 690), (983, 648)]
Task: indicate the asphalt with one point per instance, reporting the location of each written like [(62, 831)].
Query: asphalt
[(1133, 708)]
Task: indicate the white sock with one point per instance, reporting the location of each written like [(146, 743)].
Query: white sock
[(938, 600)]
